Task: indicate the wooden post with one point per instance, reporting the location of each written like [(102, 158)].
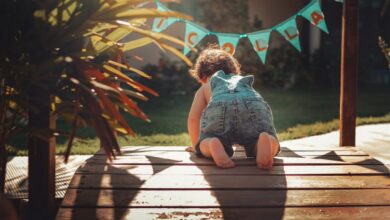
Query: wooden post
[(349, 68), (41, 162), (3, 167), (3, 152)]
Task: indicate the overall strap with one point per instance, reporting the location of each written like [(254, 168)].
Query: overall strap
[(248, 80), (229, 83), (218, 78)]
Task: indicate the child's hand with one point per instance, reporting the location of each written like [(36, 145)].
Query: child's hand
[(190, 149)]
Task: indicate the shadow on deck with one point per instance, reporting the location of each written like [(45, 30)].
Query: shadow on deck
[(169, 183)]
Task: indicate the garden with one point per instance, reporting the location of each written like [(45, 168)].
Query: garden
[(94, 77)]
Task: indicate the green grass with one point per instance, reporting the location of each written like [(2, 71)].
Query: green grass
[(297, 113)]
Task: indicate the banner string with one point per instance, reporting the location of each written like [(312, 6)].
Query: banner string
[(194, 33)]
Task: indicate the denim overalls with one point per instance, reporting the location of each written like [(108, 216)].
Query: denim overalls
[(236, 113)]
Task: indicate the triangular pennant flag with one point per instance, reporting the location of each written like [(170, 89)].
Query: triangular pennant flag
[(228, 42), (160, 24), (260, 43), (290, 32), (193, 35), (314, 14)]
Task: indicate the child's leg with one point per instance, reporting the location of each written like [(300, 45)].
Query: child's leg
[(267, 147), (213, 148)]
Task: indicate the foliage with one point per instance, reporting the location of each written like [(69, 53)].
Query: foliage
[(284, 68), (385, 49), (218, 13), (325, 64), (321, 68), (75, 51), (291, 108), (90, 146), (384, 31), (171, 77)]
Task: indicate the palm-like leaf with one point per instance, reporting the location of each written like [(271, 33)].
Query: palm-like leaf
[(385, 49), (76, 51)]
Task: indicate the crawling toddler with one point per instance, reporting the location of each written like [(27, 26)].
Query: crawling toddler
[(226, 110)]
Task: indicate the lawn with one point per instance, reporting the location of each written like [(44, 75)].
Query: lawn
[(297, 113)]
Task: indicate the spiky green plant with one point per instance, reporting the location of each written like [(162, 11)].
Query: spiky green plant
[(385, 49), (76, 52)]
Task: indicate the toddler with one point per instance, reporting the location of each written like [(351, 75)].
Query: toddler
[(226, 110)]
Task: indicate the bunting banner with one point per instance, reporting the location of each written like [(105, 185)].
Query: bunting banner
[(228, 42), (194, 33), (290, 32), (160, 24), (260, 43), (314, 14)]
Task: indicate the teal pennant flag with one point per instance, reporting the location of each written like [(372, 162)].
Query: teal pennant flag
[(228, 42), (160, 24), (260, 43), (290, 32), (314, 14), (193, 35)]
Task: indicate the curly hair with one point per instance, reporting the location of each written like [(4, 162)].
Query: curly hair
[(213, 59)]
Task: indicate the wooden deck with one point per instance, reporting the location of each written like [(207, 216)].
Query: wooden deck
[(169, 183)]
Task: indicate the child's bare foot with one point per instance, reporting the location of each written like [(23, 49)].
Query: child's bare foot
[(264, 155), (217, 152)]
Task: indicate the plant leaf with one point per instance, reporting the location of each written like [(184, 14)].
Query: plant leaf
[(131, 45), (139, 72), (127, 14), (129, 81), (177, 53)]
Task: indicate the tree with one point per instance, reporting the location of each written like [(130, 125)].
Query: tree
[(226, 16)]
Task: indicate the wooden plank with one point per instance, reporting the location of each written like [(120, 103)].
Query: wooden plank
[(165, 185), (362, 212), (349, 69), (157, 181), (182, 148), (171, 158), (225, 198), (283, 153), (239, 170)]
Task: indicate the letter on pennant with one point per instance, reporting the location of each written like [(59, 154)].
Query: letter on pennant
[(290, 32), (193, 35), (160, 24), (260, 43), (228, 42), (314, 14)]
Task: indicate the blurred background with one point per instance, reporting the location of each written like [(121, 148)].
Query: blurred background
[(302, 88), (319, 63)]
